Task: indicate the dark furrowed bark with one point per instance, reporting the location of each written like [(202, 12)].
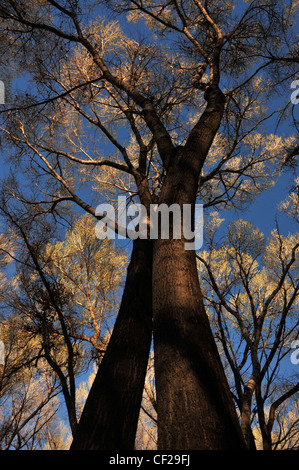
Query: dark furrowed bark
[(194, 403), (195, 406), (110, 416)]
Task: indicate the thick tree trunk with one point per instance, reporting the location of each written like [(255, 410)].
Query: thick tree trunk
[(267, 440), (194, 403), (110, 416)]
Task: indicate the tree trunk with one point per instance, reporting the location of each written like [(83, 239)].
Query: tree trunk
[(194, 404), (246, 415), (110, 416), (267, 441), (264, 428)]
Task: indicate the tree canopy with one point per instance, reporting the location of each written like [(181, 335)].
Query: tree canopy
[(177, 102)]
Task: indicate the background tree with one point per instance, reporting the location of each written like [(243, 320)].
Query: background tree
[(218, 66), (57, 298), (252, 289), (27, 397), (91, 273)]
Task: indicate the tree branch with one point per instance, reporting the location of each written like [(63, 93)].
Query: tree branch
[(278, 402)]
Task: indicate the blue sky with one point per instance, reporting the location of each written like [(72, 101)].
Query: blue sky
[(264, 211)]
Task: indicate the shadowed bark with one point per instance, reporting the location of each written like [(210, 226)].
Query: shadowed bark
[(194, 403), (110, 416)]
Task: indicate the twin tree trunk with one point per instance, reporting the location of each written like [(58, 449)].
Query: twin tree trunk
[(110, 416), (194, 403)]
